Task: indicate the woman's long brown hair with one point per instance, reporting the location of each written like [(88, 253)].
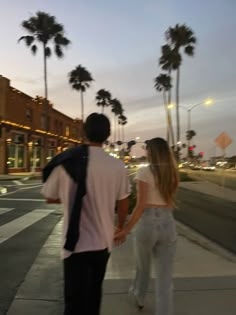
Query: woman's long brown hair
[(163, 168)]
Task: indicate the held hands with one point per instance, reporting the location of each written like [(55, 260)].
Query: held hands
[(120, 236)]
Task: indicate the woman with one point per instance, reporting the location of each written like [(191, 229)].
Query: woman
[(156, 232)]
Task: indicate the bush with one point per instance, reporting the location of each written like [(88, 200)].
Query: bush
[(184, 177)]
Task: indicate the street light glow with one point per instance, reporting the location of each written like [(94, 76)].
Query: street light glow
[(171, 105), (208, 101)]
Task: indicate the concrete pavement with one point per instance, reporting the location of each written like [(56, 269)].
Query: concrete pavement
[(205, 283), (204, 276)]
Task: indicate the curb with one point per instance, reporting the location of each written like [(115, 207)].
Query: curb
[(204, 242)]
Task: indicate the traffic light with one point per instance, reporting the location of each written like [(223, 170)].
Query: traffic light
[(130, 144), (190, 151)]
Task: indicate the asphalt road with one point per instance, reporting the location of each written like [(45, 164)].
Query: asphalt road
[(24, 212), (25, 223), (225, 178), (213, 217)]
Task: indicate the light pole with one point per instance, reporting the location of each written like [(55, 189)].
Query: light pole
[(207, 102)]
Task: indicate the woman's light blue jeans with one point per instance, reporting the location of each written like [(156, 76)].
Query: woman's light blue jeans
[(155, 236)]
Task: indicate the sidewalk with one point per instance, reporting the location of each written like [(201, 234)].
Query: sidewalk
[(205, 283), (22, 176)]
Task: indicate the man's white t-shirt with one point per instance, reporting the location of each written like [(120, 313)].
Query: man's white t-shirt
[(106, 182)]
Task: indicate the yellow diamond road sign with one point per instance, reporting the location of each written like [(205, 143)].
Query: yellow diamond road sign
[(223, 140)]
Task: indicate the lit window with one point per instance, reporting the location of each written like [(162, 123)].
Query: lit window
[(67, 131)]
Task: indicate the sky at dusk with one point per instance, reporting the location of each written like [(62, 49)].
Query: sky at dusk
[(119, 43)]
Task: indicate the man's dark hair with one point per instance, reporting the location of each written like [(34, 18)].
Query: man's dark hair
[(97, 128)]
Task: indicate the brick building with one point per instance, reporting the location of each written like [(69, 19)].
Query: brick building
[(32, 131)]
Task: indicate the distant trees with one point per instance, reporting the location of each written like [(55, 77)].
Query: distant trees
[(180, 40), (103, 98), (80, 80), (43, 29)]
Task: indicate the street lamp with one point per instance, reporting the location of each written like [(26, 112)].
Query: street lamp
[(207, 102)]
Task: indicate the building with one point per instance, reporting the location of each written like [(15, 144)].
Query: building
[(32, 131)]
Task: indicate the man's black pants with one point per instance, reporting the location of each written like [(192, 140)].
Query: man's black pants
[(83, 276)]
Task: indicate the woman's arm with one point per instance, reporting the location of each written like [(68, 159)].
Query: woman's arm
[(136, 213)]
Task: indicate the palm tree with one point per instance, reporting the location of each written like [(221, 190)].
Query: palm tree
[(116, 108), (178, 37), (44, 29), (162, 83), (80, 79), (170, 60), (103, 98), (123, 121)]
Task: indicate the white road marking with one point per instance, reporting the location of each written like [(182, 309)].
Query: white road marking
[(4, 210), (14, 227), (17, 182), (24, 188), (20, 199)]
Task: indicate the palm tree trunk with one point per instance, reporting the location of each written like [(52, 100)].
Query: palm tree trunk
[(102, 109), (123, 133), (82, 105), (171, 130), (167, 118), (114, 128), (118, 131), (117, 128), (177, 106), (45, 88), (46, 107)]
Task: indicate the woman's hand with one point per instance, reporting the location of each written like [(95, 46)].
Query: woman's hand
[(120, 236)]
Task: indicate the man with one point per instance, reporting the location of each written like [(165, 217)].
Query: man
[(106, 185)]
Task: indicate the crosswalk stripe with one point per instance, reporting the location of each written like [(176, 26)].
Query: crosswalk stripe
[(4, 210), (20, 199), (14, 227), (17, 182)]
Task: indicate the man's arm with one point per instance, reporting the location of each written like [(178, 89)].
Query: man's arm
[(122, 212), (50, 189)]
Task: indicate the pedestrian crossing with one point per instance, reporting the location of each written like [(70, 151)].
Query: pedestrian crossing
[(17, 225), (4, 210)]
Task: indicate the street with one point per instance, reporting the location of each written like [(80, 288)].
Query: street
[(213, 217), (221, 177), (25, 223)]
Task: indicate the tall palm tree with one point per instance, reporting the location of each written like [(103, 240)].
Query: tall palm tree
[(122, 121), (116, 108), (80, 79), (170, 60), (46, 31), (162, 83), (103, 98), (180, 37)]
